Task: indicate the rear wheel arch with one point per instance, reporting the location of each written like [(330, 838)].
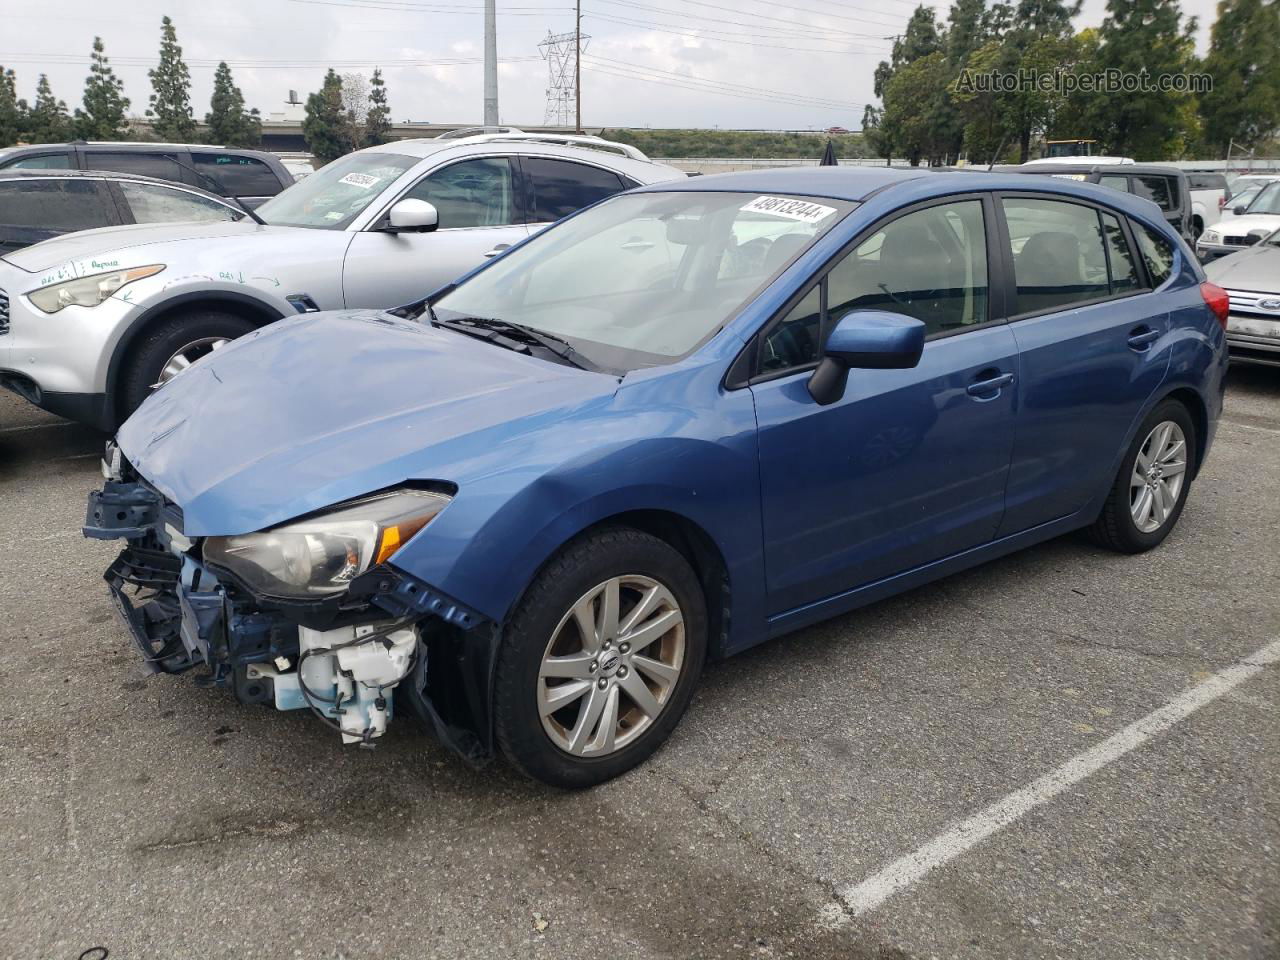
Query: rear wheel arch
[(253, 310), (1195, 405)]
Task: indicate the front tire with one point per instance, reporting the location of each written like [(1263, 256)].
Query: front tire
[(1151, 488), (172, 346), (600, 659)]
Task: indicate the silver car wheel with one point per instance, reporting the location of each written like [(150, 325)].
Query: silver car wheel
[(611, 665), (1158, 475), (186, 355)]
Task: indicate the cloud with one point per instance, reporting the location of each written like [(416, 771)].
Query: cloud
[(292, 43)]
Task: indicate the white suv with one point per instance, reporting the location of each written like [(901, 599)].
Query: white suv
[(92, 321)]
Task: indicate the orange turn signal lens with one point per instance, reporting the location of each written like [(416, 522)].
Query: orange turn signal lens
[(395, 536)]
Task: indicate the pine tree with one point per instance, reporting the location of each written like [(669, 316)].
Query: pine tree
[(104, 104), (377, 122), (229, 123), (323, 126), (14, 118), (49, 120), (1145, 37), (965, 30), (1244, 61), (170, 108)]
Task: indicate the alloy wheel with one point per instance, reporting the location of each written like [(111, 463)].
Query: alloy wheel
[(186, 355), (611, 665), (1158, 475)]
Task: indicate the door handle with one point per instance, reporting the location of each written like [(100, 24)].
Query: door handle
[(497, 250), (980, 388), (1142, 337)]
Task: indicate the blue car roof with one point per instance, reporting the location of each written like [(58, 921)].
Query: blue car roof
[(859, 183), (838, 183)]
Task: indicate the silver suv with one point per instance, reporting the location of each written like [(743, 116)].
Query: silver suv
[(90, 323)]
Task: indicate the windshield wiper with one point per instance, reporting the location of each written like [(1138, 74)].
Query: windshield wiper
[(519, 333)]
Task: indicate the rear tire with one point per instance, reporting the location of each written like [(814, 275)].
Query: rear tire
[(1148, 494), (572, 710), (192, 335)]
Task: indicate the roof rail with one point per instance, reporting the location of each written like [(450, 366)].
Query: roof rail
[(564, 139), (462, 132)]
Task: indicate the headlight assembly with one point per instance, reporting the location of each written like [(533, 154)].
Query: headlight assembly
[(1210, 236), (88, 291), (320, 556)]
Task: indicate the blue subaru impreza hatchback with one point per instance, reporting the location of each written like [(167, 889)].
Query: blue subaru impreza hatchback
[(685, 420)]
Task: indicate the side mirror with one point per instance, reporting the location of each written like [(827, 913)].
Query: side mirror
[(1239, 211), (868, 340), (412, 216)]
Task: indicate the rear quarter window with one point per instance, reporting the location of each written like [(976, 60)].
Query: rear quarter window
[(1156, 251), (237, 176)]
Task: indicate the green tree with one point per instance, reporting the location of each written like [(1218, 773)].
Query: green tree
[(230, 124), (104, 103), (14, 118), (918, 109), (325, 120), (50, 122), (966, 30), (1244, 62), (895, 127), (1146, 38), (377, 122), (170, 109), (1038, 31)]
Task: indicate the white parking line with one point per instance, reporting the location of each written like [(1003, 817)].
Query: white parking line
[(906, 871)]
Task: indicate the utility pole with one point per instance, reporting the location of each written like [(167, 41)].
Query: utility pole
[(490, 63), (577, 68)]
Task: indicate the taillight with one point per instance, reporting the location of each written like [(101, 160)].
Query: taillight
[(1217, 300), (1222, 202)]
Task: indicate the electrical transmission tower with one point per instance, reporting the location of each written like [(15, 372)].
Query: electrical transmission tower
[(560, 50)]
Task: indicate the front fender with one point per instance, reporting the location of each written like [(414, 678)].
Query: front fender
[(486, 547)]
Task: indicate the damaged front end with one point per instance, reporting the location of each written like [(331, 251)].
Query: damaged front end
[(349, 656)]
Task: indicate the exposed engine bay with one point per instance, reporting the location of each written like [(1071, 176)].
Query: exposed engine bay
[(346, 659)]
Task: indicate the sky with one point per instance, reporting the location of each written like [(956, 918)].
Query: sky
[(741, 64)]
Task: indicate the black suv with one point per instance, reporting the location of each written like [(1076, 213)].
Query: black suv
[(248, 176), (1167, 187)]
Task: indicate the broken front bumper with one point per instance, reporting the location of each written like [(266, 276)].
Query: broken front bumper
[(341, 657)]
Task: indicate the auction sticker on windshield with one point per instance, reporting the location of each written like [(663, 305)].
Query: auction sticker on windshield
[(360, 180), (801, 210)]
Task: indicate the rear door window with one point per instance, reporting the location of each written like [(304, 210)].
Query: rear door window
[(236, 175), (1058, 253), (152, 203), (1124, 272), (1114, 182), (58, 206), (160, 165), (560, 186)]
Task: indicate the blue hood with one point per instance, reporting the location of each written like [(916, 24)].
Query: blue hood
[(315, 410)]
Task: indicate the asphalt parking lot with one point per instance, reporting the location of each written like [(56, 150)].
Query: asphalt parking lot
[(159, 819)]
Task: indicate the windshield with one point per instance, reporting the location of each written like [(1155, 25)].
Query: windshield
[(644, 279), (1268, 201), (336, 194)]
